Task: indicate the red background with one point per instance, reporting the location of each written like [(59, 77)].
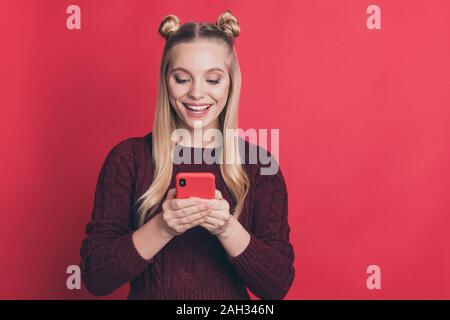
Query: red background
[(363, 118)]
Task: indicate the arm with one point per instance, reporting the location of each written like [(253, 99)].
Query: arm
[(266, 263), (151, 237), (113, 254)]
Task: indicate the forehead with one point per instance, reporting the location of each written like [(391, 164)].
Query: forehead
[(199, 56)]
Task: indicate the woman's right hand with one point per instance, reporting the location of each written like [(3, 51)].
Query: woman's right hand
[(179, 215)]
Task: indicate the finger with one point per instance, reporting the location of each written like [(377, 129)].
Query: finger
[(219, 214), (215, 222), (214, 214), (196, 222), (210, 227), (207, 226), (193, 217), (176, 204), (186, 211), (213, 203), (219, 204)]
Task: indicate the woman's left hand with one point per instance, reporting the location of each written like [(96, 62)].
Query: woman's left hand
[(219, 219)]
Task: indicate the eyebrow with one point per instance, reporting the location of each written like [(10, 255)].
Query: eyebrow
[(185, 70)]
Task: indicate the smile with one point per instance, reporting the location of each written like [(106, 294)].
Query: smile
[(197, 108)]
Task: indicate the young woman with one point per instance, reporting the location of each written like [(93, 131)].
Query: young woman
[(169, 248)]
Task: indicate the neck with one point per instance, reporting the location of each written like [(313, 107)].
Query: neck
[(199, 143)]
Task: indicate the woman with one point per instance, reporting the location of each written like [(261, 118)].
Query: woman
[(169, 248)]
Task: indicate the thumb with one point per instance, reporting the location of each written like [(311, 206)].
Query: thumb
[(219, 194), (171, 193)]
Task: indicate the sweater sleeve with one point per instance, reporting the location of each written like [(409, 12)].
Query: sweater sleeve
[(266, 265), (109, 258)]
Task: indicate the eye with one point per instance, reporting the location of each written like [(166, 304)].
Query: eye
[(213, 81), (180, 80)]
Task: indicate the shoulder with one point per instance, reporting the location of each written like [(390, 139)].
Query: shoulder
[(127, 150), (263, 167), (259, 160), (131, 145)]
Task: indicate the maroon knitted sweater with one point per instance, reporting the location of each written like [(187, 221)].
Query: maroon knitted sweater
[(193, 265)]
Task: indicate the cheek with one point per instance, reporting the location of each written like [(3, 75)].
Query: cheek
[(221, 93), (176, 92)]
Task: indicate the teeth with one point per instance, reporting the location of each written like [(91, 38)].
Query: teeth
[(197, 108)]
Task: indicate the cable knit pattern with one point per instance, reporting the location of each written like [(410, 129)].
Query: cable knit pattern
[(193, 265)]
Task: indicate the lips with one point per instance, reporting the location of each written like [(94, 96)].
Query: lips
[(197, 110), (197, 107)]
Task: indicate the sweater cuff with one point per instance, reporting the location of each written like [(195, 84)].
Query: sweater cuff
[(131, 257), (245, 261)]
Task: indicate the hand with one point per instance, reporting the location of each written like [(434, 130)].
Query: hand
[(179, 215), (219, 220)]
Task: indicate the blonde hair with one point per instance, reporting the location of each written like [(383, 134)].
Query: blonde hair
[(225, 30)]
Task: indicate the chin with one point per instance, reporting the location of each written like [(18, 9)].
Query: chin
[(190, 122)]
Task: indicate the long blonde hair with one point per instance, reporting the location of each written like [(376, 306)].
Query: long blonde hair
[(226, 30)]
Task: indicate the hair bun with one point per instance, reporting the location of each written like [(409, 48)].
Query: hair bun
[(169, 24), (229, 24)]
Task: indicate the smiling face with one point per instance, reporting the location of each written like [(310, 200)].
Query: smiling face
[(198, 83)]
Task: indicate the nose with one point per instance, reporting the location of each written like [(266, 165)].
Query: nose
[(195, 91)]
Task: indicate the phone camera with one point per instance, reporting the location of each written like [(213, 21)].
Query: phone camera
[(182, 182)]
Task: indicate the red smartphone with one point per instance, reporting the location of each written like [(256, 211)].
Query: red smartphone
[(195, 184)]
